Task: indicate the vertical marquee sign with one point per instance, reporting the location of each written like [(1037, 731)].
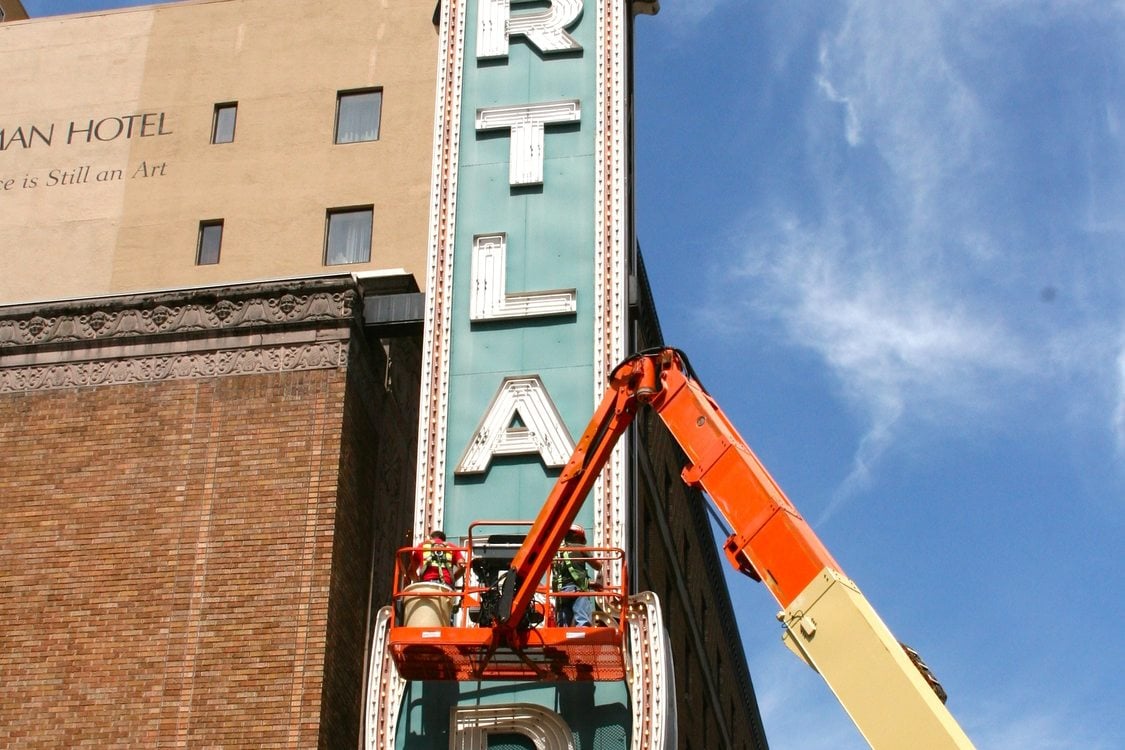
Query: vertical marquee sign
[(527, 259), (527, 303)]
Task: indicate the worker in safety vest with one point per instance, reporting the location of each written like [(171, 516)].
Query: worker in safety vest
[(569, 574), (438, 561)]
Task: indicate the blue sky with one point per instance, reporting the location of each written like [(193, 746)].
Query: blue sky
[(891, 236)]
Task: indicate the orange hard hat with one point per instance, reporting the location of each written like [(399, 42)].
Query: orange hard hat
[(576, 532)]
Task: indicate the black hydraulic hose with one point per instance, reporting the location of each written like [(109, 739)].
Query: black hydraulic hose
[(657, 350)]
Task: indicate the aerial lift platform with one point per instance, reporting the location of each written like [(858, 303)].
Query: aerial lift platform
[(504, 628)]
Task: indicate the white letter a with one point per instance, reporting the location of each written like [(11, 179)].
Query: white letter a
[(521, 420)]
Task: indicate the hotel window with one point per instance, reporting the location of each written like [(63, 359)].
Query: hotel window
[(210, 242), (222, 129), (348, 236), (357, 115)]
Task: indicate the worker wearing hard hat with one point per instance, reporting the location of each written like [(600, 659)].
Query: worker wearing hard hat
[(570, 575)]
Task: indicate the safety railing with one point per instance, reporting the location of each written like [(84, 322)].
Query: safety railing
[(468, 596)]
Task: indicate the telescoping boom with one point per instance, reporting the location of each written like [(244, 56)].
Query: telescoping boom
[(828, 623)]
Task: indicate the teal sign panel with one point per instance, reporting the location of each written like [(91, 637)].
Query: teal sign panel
[(519, 352), (549, 229)]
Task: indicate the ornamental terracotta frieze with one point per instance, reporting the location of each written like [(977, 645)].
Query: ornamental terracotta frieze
[(200, 333), (213, 310), (174, 367)]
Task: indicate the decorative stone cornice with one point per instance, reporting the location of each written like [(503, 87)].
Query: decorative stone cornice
[(174, 313), (174, 367), (198, 333)]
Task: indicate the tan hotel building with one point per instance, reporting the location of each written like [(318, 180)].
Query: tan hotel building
[(214, 221)]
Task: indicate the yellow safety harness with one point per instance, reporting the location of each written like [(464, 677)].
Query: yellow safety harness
[(566, 570), (439, 557)]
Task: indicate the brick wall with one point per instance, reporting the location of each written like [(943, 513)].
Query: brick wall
[(186, 563), (165, 559), (374, 518)]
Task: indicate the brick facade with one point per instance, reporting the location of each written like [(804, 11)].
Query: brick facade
[(187, 561)]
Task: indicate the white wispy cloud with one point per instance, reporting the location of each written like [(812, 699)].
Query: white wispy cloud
[(798, 710), (1047, 731), (893, 335), (796, 706), (1040, 717), (889, 63), (1119, 412), (902, 271), (1047, 11), (851, 119)]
